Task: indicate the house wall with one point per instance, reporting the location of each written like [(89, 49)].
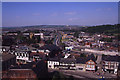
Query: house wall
[(90, 65), (80, 66), (53, 64), (110, 65), (22, 56), (67, 66)]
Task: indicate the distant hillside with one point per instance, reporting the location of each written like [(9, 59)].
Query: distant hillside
[(44, 26), (103, 29)]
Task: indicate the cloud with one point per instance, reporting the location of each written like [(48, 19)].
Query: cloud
[(70, 13)]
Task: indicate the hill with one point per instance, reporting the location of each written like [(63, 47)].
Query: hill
[(107, 29)]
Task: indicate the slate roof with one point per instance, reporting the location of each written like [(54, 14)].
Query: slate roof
[(67, 60), (83, 60), (111, 58), (91, 57), (53, 59)]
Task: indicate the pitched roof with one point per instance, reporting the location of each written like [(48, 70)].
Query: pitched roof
[(68, 60), (83, 60), (53, 59), (91, 57)]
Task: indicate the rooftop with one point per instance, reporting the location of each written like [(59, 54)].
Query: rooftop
[(68, 60), (6, 56), (111, 58)]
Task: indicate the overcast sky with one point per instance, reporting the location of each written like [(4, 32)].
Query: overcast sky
[(59, 13)]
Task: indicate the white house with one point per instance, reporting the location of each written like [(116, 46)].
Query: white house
[(53, 63)]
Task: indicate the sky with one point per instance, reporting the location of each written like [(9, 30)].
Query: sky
[(15, 14)]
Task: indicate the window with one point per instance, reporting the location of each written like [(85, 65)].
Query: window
[(117, 64), (92, 66), (23, 54), (111, 66), (92, 62), (106, 63), (88, 66), (80, 68), (20, 54), (88, 62)]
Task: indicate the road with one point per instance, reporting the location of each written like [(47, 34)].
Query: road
[(76, 74), (87, 75), (101, 52), (57, 39)]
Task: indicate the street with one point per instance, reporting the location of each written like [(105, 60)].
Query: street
[(87, 75)]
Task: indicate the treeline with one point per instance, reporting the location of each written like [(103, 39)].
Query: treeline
[(103, 29)]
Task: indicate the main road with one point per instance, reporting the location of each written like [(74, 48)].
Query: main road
[(57, 39)]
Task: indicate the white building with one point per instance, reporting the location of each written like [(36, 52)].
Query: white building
[(53, 63), (21, 56)]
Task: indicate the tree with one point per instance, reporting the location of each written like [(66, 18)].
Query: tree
[(63, 46), (76, 34)]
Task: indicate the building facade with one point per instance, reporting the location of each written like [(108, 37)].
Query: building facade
[(110, 63)]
